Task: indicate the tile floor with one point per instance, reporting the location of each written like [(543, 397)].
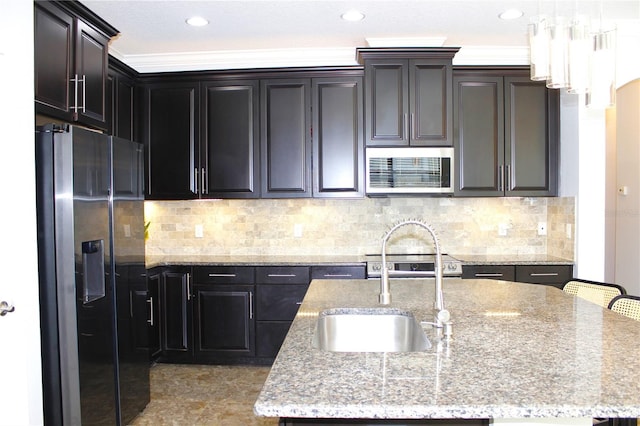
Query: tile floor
[(203, 395)]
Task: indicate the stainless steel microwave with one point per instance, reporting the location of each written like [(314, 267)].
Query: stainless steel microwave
[(409, 170)]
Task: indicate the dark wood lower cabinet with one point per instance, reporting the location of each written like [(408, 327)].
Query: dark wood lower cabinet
[(223, 321), (228, 314), (555, 275)]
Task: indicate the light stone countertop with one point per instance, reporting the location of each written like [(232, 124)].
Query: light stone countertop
[(518, 351), (267, 260)]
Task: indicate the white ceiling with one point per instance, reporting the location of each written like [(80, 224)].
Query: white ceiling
[(262, 33)]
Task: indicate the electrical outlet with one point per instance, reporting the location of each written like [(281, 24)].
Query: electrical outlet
[(297, 230), (199, 231), (127, 230), (542, 228), (502, 229), (568, 230)]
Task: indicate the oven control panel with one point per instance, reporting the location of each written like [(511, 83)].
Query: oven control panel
[(450, 267)]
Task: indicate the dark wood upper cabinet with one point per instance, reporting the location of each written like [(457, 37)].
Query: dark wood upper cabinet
[(338, 142), (506, 134), (171, 141), (408, 100), (71, 61), (230, 150), (285, 138), (122, 101)]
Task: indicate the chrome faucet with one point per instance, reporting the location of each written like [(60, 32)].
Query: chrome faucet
[(442, 317)]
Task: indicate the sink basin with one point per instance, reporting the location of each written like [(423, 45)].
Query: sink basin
[(369, 330)]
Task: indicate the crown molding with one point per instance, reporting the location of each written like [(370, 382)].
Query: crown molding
[(302, 57), (239, 59)]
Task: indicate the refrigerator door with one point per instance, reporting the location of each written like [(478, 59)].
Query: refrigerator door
[(83, 240), (132, 297), (76, 297)]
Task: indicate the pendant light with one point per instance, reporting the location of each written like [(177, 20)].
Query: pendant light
[(602, 81), (538, 48), (579, 50)]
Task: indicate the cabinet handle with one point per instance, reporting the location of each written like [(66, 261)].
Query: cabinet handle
[(212, 275), (543, 274), (150, 302), (281, 275), (250, 305), (188, 286), (75, 94), (405, 125), (195, 180), (298, 303), (84, 92), (501, 177), (130, 304), (489, 274), (203, 176), (75, 81), (508, 178), (337, 275), (412, 129)]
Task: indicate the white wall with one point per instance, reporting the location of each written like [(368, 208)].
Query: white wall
[(21, 390), (627, 247), (588, 168)]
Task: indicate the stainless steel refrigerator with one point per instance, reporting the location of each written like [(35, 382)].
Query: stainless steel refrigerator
[(90, 202)]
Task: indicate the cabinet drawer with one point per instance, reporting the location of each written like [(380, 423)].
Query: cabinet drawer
[(338, 272), (544, 274), (282, 274), (277, 302), (224, 274), (494, 272)]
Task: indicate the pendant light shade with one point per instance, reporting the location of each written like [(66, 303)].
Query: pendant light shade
[(602, 82), (539, 49), (574, 54), (579, 51), (558, 55)]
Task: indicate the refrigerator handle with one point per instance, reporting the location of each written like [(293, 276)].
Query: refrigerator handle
[(188, 286), (150, 302)]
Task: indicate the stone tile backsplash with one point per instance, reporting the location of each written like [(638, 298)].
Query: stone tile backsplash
[(356, 226)]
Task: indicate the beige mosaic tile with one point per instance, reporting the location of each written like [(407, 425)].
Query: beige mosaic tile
[(356, 226)]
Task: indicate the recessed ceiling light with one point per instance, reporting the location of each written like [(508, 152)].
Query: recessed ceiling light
[(352, 16), (197, 21), (511, 14)]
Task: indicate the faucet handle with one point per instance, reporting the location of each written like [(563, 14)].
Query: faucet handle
[(443, 316)]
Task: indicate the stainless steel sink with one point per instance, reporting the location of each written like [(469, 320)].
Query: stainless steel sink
[(369, 330)]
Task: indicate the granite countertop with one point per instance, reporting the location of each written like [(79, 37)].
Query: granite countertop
[(267, 260), (250, 260), (520, 259), (518, 351)]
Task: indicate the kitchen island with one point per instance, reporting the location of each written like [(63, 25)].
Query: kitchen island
[(518, 351)]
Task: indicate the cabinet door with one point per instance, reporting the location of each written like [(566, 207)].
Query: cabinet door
[(171, 141), (386, 102), (530, 138), (175, 306), (230, 143), (478, 135), (121, 105), (53, 38), (286, 138), (153, 282), (430, 102), (224, 325), (91, 58), (337, 138)]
